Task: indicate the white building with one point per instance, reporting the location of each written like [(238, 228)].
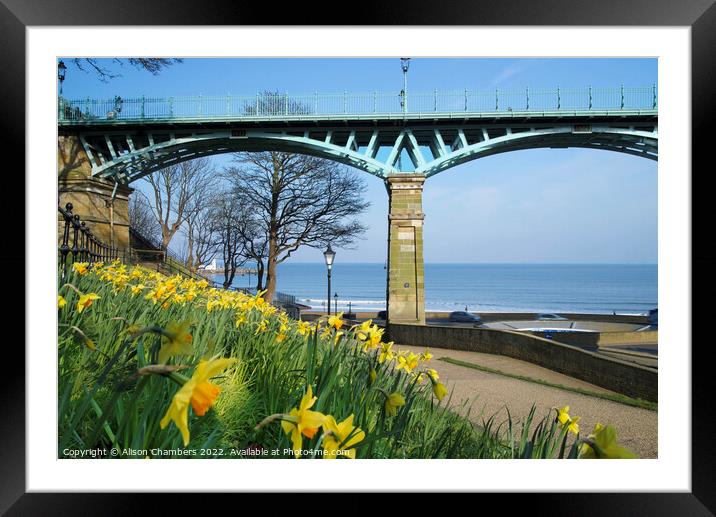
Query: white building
[(209, 267)]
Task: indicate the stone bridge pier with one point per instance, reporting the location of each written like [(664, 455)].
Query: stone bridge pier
[(406, 275), (91, 197)]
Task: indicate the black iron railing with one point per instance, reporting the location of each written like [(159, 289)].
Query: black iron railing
[(167, 261), (79, 244)]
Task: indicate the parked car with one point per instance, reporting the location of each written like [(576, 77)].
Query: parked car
[(464, 317), (549, 317)]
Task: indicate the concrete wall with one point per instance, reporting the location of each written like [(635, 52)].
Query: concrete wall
[(613, 374), (518, 316), (596, 339)]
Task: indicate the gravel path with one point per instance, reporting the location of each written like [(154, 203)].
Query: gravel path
[(491, 393)]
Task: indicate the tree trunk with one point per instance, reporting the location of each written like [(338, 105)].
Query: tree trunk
[(190, 255), (166, 239), (270, 279), (230, 279), (259, 275)]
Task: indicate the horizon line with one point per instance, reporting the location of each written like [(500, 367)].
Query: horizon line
[(503, 263)]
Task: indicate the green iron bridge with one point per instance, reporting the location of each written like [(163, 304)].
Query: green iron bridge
[(128, 138), (400, 138)]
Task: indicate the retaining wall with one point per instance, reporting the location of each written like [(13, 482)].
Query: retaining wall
[(594, 340), (613, 374)]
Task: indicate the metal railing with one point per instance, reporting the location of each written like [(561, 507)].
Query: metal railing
[(79, 244), (167, 260), (309, 106)]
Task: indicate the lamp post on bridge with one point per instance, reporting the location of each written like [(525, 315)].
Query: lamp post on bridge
[(61, 72), (405, 65), (329, 255)]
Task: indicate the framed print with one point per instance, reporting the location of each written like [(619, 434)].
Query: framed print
[(182, 371)]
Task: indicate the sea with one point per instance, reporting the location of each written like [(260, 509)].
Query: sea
[(581, 288)]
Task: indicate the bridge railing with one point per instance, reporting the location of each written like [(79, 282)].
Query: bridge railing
[(281, 105)]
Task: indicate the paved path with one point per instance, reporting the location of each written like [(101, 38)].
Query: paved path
[(491, 393)]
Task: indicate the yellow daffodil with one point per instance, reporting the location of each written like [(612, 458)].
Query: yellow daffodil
[(240, 319), (61, 302), (376, 335), (386, 352), (303, 421), (407, 362), (136, 289), (602, 444), (336, 321), (86, 300), (261, 327), (303, 328), (392, 403), (280, 337), (363, 331), (439, 390), (176, 340), (198, 392), (337, 337), (426, 356), (340, 438), (433, 374), (565, 420), (80, 267)]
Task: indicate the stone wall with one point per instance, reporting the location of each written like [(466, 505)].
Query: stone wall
[(406, 276), (613, 374), (91, 197)]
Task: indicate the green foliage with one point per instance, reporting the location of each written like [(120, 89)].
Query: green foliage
[(112, 393)]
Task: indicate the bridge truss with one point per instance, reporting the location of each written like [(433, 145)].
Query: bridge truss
[(126, 139)]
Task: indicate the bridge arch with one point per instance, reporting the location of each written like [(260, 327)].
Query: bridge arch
[(127, 156)]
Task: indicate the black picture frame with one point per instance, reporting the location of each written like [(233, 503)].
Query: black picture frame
[(700, 15)]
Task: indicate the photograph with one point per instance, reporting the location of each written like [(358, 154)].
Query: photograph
[(426, 243), (357, 258)]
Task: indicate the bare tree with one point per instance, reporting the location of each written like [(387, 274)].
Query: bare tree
[(200, 231), (153, 65), (275, 103), (141, 217), (227, 217), (177, 190), (253, 237), (297, 200)]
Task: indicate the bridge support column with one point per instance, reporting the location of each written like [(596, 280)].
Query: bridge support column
[(406, 275), (91, 197)]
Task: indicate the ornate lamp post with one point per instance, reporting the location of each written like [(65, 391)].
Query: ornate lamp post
[(335, 305), (329, 254), (404, 65), (61, 72)]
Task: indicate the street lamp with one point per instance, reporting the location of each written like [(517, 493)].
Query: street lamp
[(61, 72), (329, 254), (335, 305), (404, 65)]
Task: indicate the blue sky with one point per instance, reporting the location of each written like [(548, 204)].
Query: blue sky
[(541, 205)]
